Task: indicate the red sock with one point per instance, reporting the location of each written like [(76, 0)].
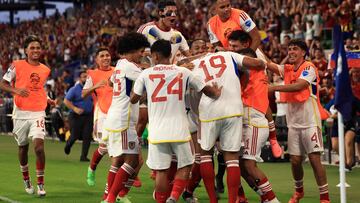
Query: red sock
[(208, 175), (25, 171), (127, 187), (97, 156), (110, 179), (272, 131), (299, 186), (195, 178), (160, 197), (324, 192), (178, 188), (233, 179), (40, 167), (266, 190), (121, 178)]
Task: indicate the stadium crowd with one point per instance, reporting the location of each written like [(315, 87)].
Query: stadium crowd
[(71, 43), (70, 39)]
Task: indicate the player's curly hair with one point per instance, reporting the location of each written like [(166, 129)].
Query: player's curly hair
[(239, 35), (100, 49), (131, 42), (31, 38), (163, 3)]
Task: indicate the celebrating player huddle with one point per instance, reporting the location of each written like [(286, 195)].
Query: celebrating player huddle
[(214, 100)]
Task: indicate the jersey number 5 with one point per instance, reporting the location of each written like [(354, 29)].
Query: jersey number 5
[(170, 88), (217, 61)]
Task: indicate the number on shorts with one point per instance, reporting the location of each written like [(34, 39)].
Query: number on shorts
[(117, 83), (314, 137), (214, 63), (170, 88), (40, 123)]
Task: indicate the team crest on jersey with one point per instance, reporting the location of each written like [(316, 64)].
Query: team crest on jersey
[(227, 32), (176, 38), (132, 145), (34, 80)]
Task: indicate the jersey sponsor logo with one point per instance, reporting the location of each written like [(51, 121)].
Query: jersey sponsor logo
[(248, 23), (305, 73)]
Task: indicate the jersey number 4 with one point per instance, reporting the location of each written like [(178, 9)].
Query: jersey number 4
[(170, 88), (217, 61)]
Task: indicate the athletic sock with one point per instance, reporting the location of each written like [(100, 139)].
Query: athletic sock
[(97, 156), (233, 179), (208, 175)]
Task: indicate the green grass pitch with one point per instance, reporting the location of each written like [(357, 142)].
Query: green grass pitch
[(65, 178)]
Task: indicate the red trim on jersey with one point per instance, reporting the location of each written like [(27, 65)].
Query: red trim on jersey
[(141, 28), (243, 16), (157, 25)]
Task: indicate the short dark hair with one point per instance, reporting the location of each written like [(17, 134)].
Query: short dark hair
[(31, 38), (163, 47), (131, 42), (299, 43), (163, 3), (191, 42), (100, 49), (248, 52), (240, 35)]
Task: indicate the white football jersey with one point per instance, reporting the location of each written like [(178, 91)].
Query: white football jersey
[(165, 86), (304, 114), (220, 67), (153, 33), (122, 113)]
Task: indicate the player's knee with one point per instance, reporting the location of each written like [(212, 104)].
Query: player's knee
[(249, 165), (39, 150), (296, 160)]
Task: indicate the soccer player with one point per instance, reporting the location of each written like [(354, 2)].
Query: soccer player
[(240, 40), (303, 117), (165, 85), (227, 20), (255, 132), (120, 123), (30, 100), (192, 100), (256, 127), (97, 84), (164, 29), (222, 119)]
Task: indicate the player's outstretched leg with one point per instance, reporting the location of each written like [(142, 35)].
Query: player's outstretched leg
[(97, 156), (275, 147), (40, 165)]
